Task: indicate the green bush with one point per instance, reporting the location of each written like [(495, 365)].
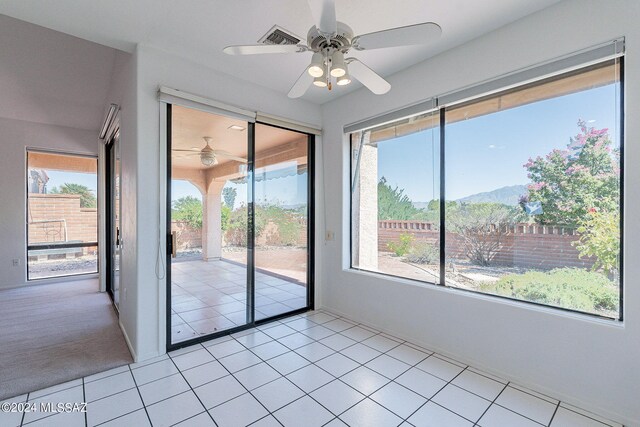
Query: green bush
[(600, 238), (423, 253), (188, 209), (402, 246), (571, 288)]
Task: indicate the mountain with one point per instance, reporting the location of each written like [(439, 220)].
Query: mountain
[(505, 195)]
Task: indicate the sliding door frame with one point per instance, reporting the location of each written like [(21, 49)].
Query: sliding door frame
[(251, 268)]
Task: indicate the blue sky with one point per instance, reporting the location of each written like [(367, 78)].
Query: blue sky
[(487, 152), (57, 178)]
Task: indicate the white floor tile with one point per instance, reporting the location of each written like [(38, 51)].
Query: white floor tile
[(200, 420), (305, 409), (358, 333), (104, 374), (295, 341), (320, 317), (59, 387), (338, 325), (256, 375), (421, 382), (70, 395), (175, 409), (314, 351), (590, 415), (278, 331), (253, 339), (337, 396), (301, 324), (337, 342), (309, 378), (112, 407), (432, 415), (146, 362), (337, 364), (219, 391), (154, 371), (163, 388), (241, 360), (193, 359), (241, 411), (497, 416), (269, 350), (318, 332), (398, 399), (226, 348), (278, 393), (288, 362), (478, 384), (388, 366), (369, 414), (460, 401), (336, 422), (381, 343), (408, 354), (109, 385), (566, 418), (185, 350), (137, 418), (525, 404), (360, 353), (440, 368), (204, 373), (364, 380), (65, 419)]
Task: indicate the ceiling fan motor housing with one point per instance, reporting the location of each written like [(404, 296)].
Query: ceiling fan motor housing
[(340, 41)]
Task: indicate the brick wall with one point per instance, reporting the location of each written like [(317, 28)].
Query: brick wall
[(528, 246), (187, 237), (47, 212)]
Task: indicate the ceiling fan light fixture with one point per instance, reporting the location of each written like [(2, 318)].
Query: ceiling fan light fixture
[(316, 68), (344, 80), (320, 82), (208, 159), (338, 67)]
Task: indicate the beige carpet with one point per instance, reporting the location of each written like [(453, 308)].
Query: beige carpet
[(54, 333)]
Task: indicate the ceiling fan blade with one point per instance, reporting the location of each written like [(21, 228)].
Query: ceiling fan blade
[(324, 14), (368, 77), (301, 85), (230, 156), (192, 150), (401, 36), (258, 49)]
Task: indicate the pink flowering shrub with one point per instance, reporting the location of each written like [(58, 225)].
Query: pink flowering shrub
[(571, 181)]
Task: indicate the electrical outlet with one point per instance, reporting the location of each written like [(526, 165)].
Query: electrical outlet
[(16, 262), (330, 236)]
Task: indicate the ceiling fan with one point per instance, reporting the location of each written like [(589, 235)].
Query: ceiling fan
[(209, 156), (331, 40)]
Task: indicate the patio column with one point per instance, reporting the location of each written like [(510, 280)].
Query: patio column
[(212, 221), (365, 196)]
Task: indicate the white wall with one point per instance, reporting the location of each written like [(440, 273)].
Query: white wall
[(53, 87), (146, 292), (591, 363)]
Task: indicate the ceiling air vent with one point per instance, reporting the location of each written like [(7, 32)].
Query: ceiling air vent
[(278, 35)]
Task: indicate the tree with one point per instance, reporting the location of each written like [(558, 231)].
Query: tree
[(572, 181), (600, 238), (229, 194), (189, 210), (393, 204), (482, 227), (87, 199)]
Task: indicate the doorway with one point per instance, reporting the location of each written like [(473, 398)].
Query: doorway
[(239, 224), (113, 215)]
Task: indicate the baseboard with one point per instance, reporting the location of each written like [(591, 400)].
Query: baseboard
[(571, 400), (126, 339)]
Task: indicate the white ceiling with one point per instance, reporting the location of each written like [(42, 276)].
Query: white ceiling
[(200, 29)]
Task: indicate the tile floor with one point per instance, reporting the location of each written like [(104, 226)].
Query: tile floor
[(309, 370), (209, 297)]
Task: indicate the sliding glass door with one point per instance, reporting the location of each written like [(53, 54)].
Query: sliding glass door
[(113, 215), (237, 224)]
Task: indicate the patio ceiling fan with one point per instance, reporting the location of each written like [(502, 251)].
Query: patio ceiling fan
[(208, 156), (331, 40)]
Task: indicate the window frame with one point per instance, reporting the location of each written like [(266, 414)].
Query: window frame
[(441, 109)]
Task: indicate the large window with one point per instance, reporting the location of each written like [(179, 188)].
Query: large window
[(517, 194), (62, 215)]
